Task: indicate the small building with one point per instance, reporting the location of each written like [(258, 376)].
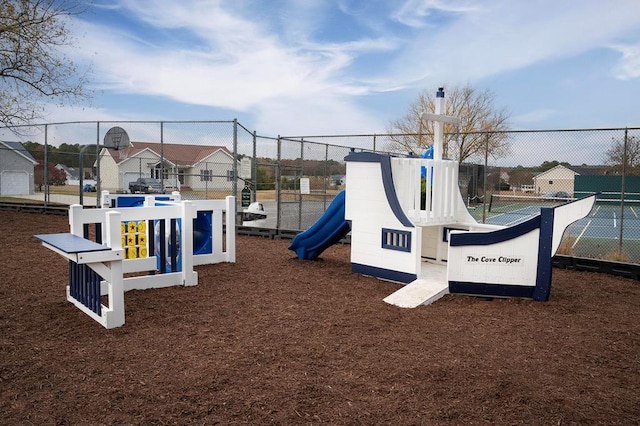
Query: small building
[(16, 169), (72, 175), (558, 178), (198, 167), (337, 180)]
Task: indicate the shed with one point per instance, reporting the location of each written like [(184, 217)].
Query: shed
[(16, 169), (558, 178)]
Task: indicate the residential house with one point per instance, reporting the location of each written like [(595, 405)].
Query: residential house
[(73, 175), (558, 178), (16, 169), (198, 167), (337, 180)]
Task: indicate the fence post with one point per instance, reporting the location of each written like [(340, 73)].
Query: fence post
[(622, 190), (97, 165), (484, 178), (254, 166), (235, 158), (162, 156), (327, 178), (277, 173), (46, 164), (300, 201)]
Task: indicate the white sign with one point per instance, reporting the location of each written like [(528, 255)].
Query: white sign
[(245, 168), (305, 188)]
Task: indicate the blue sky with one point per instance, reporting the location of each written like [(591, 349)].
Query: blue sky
[(310, 67)]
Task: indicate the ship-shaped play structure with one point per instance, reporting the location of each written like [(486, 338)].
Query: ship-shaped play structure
[(409, 224)]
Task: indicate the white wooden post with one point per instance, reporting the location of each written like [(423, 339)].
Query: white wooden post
[(115, 312)]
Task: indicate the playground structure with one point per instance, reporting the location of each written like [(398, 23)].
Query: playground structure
[(161, 235), (409, 224)]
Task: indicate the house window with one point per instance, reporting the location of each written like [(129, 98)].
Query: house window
[(206, 175), (230, 176), (156, 173), (393, 239)]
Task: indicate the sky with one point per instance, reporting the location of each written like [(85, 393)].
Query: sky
[(326, 67)]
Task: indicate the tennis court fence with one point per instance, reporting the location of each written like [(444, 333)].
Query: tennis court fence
[(296, 177)]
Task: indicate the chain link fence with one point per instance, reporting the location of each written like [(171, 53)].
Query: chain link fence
[(295, 178)]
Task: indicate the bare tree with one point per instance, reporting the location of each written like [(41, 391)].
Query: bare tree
[(33, 66), (482, 125), (616, 155)]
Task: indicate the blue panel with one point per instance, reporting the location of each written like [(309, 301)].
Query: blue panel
[(202, 233), (167, 247), (496, 290), (136, 201), (387, 274), (84, 286), (545, 263), (493, 237)]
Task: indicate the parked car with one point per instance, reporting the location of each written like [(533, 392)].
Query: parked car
[(554, 195), (145, 185)]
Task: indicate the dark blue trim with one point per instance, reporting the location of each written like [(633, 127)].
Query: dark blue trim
[(493, 237), (497, 290), (406, 244), (385, 274), (545, 263), (363, 157), (446, 232), (390, 191)]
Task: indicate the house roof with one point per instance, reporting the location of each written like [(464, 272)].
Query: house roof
[(554, 169), (179, 155), (590, 170), (20, 149), (70, 171)]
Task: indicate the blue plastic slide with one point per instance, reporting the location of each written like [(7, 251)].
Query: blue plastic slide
[(328, 230)]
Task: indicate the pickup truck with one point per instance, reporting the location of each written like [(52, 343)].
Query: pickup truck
[(145, 185)]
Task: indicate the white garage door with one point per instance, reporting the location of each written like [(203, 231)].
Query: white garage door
[(14, 182)]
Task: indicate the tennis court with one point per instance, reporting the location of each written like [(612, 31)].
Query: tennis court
[(611, 230)]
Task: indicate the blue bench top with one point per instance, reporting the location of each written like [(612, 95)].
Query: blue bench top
[(70, 243)]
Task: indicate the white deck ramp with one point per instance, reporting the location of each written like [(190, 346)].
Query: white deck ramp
[(431, 286)]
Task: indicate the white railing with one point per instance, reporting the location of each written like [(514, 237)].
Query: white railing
[(427, 189)]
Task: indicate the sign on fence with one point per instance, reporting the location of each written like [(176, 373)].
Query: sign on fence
[(246, 196)]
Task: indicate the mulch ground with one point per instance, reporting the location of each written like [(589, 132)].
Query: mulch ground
[(274, 340)]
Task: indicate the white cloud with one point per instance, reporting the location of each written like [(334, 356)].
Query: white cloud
[(502, 36), (318, 116), (233, 63), (534, 117), (270, 61), (629, 65), (417, 13)]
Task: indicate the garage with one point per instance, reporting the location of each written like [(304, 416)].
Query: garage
[(14, 182), (129, 177)]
